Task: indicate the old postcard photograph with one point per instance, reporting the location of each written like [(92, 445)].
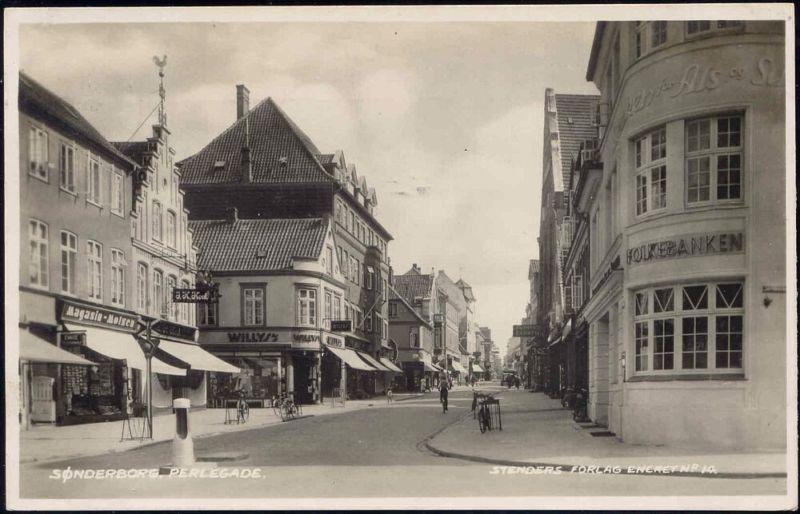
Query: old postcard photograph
[(408, 257)]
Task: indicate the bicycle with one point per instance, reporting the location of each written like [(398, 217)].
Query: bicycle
[(284, 407), (579, 412), (242, 409), (484, 418)]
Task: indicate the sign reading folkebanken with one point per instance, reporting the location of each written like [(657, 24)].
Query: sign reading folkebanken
[(691, 245)]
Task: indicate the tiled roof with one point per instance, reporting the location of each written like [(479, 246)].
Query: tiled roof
[(256, 245), (412, 285), (393, 295), (575, 114), (34, 98), (325, 158), (273, 138)]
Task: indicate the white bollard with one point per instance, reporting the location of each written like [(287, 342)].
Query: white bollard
[(182, 444)]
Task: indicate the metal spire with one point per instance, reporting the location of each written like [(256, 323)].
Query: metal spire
[(161, 64)]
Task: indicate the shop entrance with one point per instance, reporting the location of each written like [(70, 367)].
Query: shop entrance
[(599, 373), (305, 378)]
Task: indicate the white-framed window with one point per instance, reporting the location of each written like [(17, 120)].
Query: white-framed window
[(328, 309), (658, 33), (648, 35), (93, 181), (714, 159), (158, 293), (69, 261), (117, 193), (650, 155), (207, 314), (351, 222), (158, 233), (38, 153), (698, 26), (577, 291), (307, 307), (172, 307), (253, 305), (118, 266), (142, 287), (172, 227), (337, 307), (175, 188), (385, 334), (690, 328), (184, 307), (385, 291), (413, 337), (38, 268), (355, 270), (370, 277), (66, 167), (94, 259), (346, 264), (639, 38)]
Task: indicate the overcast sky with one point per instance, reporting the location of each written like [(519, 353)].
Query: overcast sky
[(443, 119)]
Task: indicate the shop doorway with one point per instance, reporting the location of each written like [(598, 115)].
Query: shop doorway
[(599, 373), (305, 378)]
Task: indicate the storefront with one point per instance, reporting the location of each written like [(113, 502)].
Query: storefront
[(108, 389)]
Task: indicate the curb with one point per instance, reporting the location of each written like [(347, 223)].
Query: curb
[(502, 462)]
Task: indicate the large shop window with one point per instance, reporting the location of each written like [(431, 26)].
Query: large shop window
[(650, 154), (307, 307), (253, 305), (714, 159), (689, 328)]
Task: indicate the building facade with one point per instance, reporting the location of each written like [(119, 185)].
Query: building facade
[(76, 291), (411, 329), (687, 251)]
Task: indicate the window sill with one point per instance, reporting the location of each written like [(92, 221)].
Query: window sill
[(92, 202), (687, 377), (45, 179), (118, 213), (67, 191)]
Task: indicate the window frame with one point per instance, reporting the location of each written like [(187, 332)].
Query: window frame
[(118, 266), (94, 181), (713, 28), (685, 343), (158, 222), (159, 286), (644, 167), (117, 193), (208, 314), (69, 261), (143, 289), (66, 177), (39, 257), (255, 287), (39, 150), (310, 320), (172, 229), (713, 153), (94, 261)]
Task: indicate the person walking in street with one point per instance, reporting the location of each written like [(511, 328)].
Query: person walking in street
[(443, 388)]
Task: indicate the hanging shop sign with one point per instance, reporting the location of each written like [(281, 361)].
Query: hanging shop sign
[(194, 296), (527, 330), (97, 316), (168, 329), (73, 338), (341, 325), (334, 341), (692, 245)]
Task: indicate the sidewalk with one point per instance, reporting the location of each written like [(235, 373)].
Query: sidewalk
[(538, 431), (45, 443)]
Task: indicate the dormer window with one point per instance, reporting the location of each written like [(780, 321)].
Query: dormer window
[(219, 165)]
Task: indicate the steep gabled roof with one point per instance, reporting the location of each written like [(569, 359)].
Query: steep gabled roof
[(273, 139), (257, 245), (394, 295), (37, 100), (575, 124), (413, 285)]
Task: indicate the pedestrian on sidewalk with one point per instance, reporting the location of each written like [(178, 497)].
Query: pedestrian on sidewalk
[(443, 388)]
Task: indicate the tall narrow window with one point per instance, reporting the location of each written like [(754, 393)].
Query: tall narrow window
[(328, 308), (184, 307), (658, 33), (38, 155), (93, 182), (142, 287), (370, 279), (650, 155), (337, 307), (66, 167), (158, 234), (253, 305), (207, 314), (117, 192), (39, 253), (118, 265), (307, 307), (158, 293), (329, 260), (171, 229), (69, 259), (94, 255), (172, 307), (714, 159), (639, 37)]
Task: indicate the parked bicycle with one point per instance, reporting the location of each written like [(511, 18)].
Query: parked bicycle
[(568, 396), (484, 418), (284, 406), (239, 410), (242, 409)]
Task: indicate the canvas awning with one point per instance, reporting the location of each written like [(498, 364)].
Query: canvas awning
[(476, 368), (458, 367), (350, 358), (372, 362), (196, 357), (431, 367), (35, 349), (123, 346), (390, 365)]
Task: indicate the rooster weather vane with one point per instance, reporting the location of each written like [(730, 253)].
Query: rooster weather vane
[(161, 64)]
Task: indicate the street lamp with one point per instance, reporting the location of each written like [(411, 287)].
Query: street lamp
[(148, 345)]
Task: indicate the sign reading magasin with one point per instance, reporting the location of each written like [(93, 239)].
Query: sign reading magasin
[(692, 245), (97, 316)]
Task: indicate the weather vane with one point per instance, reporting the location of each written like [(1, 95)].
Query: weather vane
[(161, 64)]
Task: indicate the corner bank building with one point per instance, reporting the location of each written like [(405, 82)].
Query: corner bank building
[(687, 312)]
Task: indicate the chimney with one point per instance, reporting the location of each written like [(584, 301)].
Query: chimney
[(232, 214), (242, 101)]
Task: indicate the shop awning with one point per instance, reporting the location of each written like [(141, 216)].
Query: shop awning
[(196, 357), (350, 358), (372, 362), (458, 367), (476, 368), (389, 364), (35, 349), (431, 367), (123, 346)]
